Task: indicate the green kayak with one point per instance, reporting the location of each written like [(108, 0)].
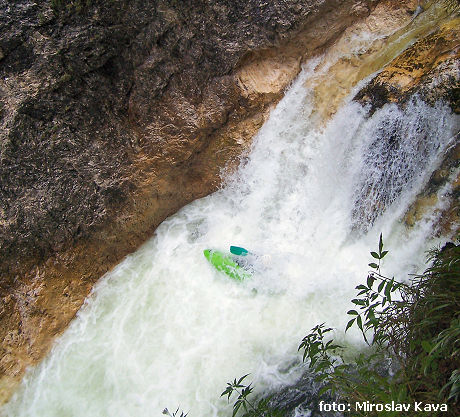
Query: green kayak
[(224, 262)]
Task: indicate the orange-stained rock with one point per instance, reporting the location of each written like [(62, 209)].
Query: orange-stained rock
[(362, 49), (430, 67), (447, 177)]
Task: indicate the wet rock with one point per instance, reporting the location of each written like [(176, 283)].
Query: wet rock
[(429, 70), (303, 399), (441, 195), (362, 49)]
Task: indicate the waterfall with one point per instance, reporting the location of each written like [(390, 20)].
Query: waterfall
[(165, 329)]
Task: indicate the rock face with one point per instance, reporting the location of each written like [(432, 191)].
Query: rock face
[(428, 68), (361, 50), (115, 115)]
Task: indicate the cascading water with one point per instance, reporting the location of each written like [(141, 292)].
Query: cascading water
[(164, 329), (392, 160)]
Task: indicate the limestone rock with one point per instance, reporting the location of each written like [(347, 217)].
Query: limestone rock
[(430, 68)]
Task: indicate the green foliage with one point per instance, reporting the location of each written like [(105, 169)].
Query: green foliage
[(378, 255), (251, 409), (375, 302), (416, 327), (433, 338), (321, 357)]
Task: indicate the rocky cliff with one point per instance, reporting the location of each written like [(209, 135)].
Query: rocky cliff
[(113, 116)]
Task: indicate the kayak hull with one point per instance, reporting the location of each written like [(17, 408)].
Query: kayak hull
[(224, 263)]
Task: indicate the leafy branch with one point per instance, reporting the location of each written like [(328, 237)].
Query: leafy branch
[(261, 409), (378, 256), (320, 355), (374, 300)]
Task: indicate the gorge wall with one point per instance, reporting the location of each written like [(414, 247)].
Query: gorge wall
[(117, 114)]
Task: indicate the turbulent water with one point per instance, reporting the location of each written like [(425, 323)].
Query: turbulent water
[(165, 329)]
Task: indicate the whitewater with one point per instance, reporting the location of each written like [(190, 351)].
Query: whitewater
[(165, 329)]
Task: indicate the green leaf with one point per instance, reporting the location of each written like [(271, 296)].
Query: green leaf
[(321, 377), (381, 285), (388, 291), (375, 255), (383, 254), (349, 324), (359, 322), (380, 243), (228, 391), (332, 347), (236, 407), (427, 346), (321, 366), (352, 312), (241, 379), (371, 316), (374, 265), (370, 281), (323, 390)]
